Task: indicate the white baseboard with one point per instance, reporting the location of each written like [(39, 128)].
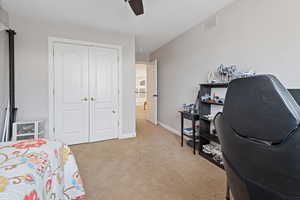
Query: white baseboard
[(173, 130), (127, 136)]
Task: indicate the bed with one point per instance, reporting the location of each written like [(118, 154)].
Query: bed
[(39, 170)]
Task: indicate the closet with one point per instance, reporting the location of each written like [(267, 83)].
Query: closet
[(85, 93)]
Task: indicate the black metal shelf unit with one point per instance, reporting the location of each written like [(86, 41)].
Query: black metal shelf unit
[(194, 117), (204, 131)]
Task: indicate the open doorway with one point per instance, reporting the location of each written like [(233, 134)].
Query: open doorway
[(141, 91), (146, 91)]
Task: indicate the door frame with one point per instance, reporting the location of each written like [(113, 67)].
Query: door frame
[(51, 92), (155, 62), (149, 63)]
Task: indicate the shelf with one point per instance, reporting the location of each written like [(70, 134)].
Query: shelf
[(215, 85), (213, 103), (210, 137), (190, 143), (210, 159), (206, 156), (25, 134), (205, 118), (30, 134), (191, 136), (189, 116), (188, 113)]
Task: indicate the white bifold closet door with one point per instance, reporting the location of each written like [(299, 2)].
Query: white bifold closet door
[(86, 93), (71, 91), (104, 94)]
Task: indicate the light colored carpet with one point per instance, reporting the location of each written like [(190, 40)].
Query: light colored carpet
[(152, 166)]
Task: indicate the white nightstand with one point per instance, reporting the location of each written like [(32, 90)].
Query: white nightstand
[(28, 130)]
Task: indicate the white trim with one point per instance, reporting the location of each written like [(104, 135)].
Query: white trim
[(51, 42), (51, 87), (142, 63), (83, 43), (128, 136), (156, 90), (173, 130)]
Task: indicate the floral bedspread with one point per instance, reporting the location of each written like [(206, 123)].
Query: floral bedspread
[(38, 170)]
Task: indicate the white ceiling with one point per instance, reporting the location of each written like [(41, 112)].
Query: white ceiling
[(163, 20)]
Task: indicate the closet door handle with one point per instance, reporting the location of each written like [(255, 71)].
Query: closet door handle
[(84, 99), (114, 112), (93, 99)]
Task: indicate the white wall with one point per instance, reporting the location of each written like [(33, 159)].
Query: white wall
[(31, 48), (4, 67), (259, 34), (141, 70)]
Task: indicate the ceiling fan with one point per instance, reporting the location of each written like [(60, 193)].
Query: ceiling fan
[(137, 6)]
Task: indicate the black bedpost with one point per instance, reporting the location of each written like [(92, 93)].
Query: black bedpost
[(12, 110)]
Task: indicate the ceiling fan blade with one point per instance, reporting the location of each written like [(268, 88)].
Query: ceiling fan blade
[(137, 6)]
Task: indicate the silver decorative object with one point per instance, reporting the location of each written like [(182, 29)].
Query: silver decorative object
[(229, 73)]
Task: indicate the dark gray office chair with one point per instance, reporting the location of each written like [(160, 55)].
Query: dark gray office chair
[(260, 138)]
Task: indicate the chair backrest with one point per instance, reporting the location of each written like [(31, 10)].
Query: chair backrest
[(260, 138)]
